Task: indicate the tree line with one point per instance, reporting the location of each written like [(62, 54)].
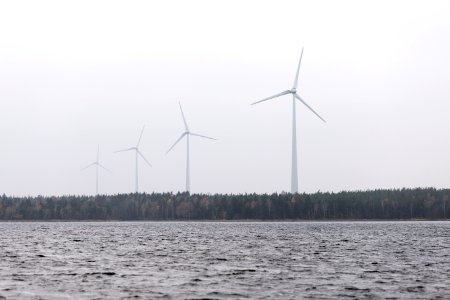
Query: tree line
[(419, 203)]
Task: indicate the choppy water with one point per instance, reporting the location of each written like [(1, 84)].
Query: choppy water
[(124, 260)]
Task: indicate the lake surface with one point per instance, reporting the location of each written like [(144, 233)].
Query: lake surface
[(213, 260)]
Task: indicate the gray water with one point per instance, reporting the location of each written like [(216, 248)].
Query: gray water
[(192, 260)]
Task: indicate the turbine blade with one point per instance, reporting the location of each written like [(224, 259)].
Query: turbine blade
[(306, 104), (298, 71), (271, 97), (128, 149), (142, 155), (98, 152), (203, 136), (184, 119), (104, 168), (93, 164), (176, 142), (140, 137)]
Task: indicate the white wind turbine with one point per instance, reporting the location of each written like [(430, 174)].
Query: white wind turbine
[(187, 133), (97, 164), (138, 153), (293, 91)]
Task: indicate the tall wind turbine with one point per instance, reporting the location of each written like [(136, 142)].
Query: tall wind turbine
[(187, 133), (295, 95), (97, 164), (138, 153)]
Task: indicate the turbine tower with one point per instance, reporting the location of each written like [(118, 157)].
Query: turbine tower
[(187, 133), (137, 153), (97, 164), (295, 95)]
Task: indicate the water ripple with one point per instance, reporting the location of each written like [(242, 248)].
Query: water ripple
[(213, 260)]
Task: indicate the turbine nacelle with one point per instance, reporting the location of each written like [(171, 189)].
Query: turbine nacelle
[(293, 91)]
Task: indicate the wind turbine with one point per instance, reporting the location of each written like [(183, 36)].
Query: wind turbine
[(97, 164), (187, 133), (138, 153), (295, 95)]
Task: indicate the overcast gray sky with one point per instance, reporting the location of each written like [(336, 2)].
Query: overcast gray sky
[(74, 74)]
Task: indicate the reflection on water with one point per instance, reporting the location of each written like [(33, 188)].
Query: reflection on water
[(123, 260)]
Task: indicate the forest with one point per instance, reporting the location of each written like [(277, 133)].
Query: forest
[(392, 204)]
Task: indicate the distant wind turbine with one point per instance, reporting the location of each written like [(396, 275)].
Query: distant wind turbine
[(187, 133), (138, 153), (293, 91), (97, 164)]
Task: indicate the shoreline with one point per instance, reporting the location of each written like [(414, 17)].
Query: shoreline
[(228, 221)]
